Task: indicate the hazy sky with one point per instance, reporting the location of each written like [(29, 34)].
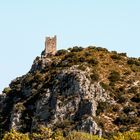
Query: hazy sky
[(113, 24)]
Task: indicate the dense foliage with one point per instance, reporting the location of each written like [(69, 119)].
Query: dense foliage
[(47, 134)]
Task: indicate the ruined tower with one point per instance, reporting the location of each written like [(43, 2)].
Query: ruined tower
[(50, 45)]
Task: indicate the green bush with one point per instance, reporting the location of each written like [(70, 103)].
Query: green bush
[(19, 107), (87, 53), (128, 109), (121, 99), (123, 119), (104, 85), (127, 136), (70, 55), (81, 59), (102, 106), (94, 76), (44, 133), (91, 47), (114, 52), (115, 108), (101, 49), (61, 52), (13, 135), (58, 135), (82, 67), (123, 54), (92, 61), (114, 76), (134, 61), (130, 61), (76, 49), (115, 57), (135, 68), (82, 136), (6, 90)]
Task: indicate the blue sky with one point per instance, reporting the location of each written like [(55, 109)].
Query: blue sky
[(113, 24)]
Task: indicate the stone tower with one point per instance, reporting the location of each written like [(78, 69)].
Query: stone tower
[(50, 45)]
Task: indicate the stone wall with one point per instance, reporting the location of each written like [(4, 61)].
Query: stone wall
[(50, 45)]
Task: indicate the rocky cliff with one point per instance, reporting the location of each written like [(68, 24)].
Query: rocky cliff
[(85, 89)]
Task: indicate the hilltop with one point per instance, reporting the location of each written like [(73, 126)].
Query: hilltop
[(88, 89)]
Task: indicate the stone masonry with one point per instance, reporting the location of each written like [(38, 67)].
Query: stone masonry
[(50, 45)]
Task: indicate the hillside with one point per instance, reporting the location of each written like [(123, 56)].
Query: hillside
[(88, 89)]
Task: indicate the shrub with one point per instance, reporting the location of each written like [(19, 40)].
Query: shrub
[(134, 61), (114, 52), (19, 107), (6, 90), (123, 54), (94, 76), (91, 47), (128, 109), (61, 52), (82, 67), (115, 57), (123, 119), (101, 49), (121, 99), (127, 136), (76, 49), (105, 86), (13, 135), (133, 90), (44, 133), (135, 68), (114, 76), (123, 129), (39, 77), (115, 108), (130, 61), (58, 135), (28, 79), (101, 107), (71, 56), (82, 136), (81, 59), (136, 98), (87, 53), (127, 72), (92, 61)]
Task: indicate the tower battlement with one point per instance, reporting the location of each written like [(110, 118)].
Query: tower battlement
[(50, 45)]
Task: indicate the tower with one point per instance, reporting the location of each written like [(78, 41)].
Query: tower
[(50, 45)]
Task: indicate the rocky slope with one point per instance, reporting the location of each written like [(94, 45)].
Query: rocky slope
[(90, 89)]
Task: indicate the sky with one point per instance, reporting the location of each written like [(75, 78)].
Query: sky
[(24, 24)]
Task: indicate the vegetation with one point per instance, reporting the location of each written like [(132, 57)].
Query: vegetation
[(127, 136), (82, 136), (115, 57), (114, 76), (47, 134), (7, 90), (13, 135), (102, 106), (61, 52), (76, 49), (116, 73)]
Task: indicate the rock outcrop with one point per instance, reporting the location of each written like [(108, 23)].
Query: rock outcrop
[(60, 93)]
